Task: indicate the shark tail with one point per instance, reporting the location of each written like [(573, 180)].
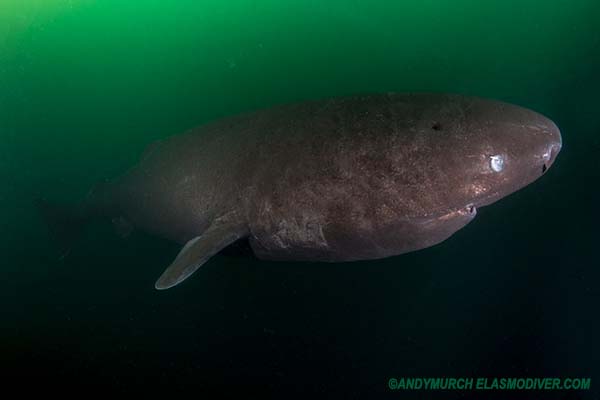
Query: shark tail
[(65, 223)]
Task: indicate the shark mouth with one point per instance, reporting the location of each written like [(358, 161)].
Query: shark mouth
[(469, 210)]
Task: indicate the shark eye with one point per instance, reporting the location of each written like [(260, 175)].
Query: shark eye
[(497, 163)]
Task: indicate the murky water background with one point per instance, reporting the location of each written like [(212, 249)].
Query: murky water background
[(86, 84)]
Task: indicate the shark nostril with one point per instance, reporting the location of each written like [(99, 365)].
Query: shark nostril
[(549, 156), (554, 150)]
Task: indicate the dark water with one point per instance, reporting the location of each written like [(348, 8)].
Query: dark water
[(86, 84)]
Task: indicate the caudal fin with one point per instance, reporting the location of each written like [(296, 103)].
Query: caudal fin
[(65, 223)]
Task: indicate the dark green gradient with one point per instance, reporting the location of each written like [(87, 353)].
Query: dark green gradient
[(86, 84)]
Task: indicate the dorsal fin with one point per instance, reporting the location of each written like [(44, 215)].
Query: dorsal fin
[(221, 233)]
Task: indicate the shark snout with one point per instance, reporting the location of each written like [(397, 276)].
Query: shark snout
[(554, 146), (552, 153), (551, 145)]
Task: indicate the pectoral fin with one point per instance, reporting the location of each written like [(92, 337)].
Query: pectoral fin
[(197, 251)]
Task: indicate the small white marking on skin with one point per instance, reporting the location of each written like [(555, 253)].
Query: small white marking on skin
[(546, 155), (477, 189), (303, 230)]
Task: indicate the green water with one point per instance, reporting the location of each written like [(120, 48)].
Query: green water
[(86, 84)]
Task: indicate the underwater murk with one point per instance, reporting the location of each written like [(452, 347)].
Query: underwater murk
[(469, 300)]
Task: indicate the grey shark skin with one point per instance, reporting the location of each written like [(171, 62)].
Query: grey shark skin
[(352, 178)]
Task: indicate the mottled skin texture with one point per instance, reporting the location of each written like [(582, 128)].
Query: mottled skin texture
[(344, 179)]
